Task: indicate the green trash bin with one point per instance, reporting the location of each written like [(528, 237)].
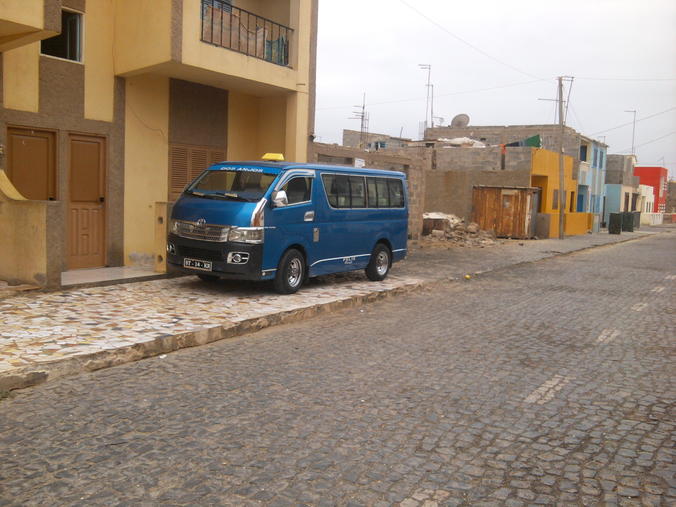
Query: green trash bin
[(637, 219), (614, 223), (628, 221)]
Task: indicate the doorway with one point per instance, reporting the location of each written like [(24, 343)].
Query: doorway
[(87, 202)]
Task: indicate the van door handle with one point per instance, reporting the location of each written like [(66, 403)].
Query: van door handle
[(309, 216)]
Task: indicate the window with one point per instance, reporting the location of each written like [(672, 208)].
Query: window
[(68, 43), (555, 200), (360, 192), (298, 189), (385, 193), (583, 153), (572, 202), (357, 192)]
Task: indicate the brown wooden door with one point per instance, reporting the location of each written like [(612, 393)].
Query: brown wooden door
[(31, 162), (86, 210)]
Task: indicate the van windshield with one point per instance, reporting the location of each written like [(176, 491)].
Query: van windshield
[(247, 186)]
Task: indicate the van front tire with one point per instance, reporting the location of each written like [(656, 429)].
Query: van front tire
[(379, 264), (290, 272)]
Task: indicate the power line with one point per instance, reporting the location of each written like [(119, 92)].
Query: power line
[(631, 122), (628, 78), (649, 142), (398, 101), (478, 50)]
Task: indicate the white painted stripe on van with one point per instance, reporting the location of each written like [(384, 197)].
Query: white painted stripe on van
[(339, 258), (399, 250)]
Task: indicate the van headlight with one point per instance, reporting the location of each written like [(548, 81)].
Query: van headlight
[(173, 226), (246, 234)]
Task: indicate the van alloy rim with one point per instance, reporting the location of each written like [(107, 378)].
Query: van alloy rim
[(382, 262), (295, 272)]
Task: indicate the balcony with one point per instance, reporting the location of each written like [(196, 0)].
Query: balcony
[(230, 27)]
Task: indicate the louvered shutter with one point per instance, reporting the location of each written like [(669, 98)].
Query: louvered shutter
[(178, 170), (186, 162)]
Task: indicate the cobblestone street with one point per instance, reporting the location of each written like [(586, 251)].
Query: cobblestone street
[(547, 383)]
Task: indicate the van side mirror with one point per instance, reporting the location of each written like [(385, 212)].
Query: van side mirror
[(279, 199)]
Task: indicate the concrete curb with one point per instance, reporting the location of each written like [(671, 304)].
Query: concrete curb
[(50, 370)]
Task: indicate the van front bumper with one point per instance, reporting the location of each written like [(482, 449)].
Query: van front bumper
[(223, 258)]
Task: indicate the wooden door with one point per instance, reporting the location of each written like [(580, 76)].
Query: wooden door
[(507, 213), (31, 162), (86, 210)]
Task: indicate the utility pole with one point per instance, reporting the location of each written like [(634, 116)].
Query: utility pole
[(363, 116), (633, 130), (562, 180), (428, 68)]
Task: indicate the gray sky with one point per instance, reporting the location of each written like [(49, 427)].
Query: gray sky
[(622, 54)]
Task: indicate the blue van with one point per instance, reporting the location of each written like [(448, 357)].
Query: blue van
[(287, 221)]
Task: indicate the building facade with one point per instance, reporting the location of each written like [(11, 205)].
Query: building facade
[(622, 193), (658, 178), (110, 107), (591, 179)]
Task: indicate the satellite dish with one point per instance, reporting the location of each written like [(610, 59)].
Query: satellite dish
[(460, 120)]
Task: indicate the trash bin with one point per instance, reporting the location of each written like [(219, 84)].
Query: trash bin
[(628, 221), (615, 223), (637, 219)]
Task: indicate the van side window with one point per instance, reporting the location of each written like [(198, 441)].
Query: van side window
[(383, 198), (396, 191), (372, 192), (298, 189), (357, 192), (337, 190)]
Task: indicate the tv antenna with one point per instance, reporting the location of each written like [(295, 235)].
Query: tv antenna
[(363, 116)]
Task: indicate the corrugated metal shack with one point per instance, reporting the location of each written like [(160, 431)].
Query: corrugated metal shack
[(509, 211)]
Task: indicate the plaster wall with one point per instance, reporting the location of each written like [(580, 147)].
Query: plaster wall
[(146, 161)]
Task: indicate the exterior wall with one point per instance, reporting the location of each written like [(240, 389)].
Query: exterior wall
[(495, 135), (146, 162), (455, 172), (23, 22), (657, 178), (671, 197), (120, 91), (64, 97), (545, 168), (352, 139), (412, 162), (646, 199), (615, 199)]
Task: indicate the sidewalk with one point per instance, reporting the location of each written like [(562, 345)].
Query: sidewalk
[(48, 335)]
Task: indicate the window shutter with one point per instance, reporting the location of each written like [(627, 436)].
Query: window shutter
[(178, 170), (198, 162)]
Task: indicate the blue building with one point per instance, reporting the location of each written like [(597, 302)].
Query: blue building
[(591, 186)]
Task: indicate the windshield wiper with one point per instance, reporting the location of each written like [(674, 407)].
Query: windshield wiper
[(232, 196)]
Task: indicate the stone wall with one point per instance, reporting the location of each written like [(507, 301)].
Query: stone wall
[(495, 135), (620, 170), (455, 172), (671, 197)]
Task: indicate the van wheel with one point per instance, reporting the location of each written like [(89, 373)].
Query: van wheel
[(380, 263), (208, 278), (290, 272)]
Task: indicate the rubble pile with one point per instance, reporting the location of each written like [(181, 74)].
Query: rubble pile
[(442, 227)]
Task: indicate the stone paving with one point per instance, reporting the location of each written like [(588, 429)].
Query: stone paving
[(45, 328), (47, 335), (551, 383)]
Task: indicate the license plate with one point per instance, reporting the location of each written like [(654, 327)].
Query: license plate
[(197, 264)]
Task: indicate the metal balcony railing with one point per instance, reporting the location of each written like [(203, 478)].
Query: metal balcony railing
[(230, 27)]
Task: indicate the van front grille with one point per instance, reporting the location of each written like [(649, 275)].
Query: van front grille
[(206, 232)]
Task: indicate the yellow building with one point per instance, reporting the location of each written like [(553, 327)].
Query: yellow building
[(110, 107), (545, 176)]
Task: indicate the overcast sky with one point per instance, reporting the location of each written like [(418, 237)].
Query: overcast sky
[(493, 60)]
